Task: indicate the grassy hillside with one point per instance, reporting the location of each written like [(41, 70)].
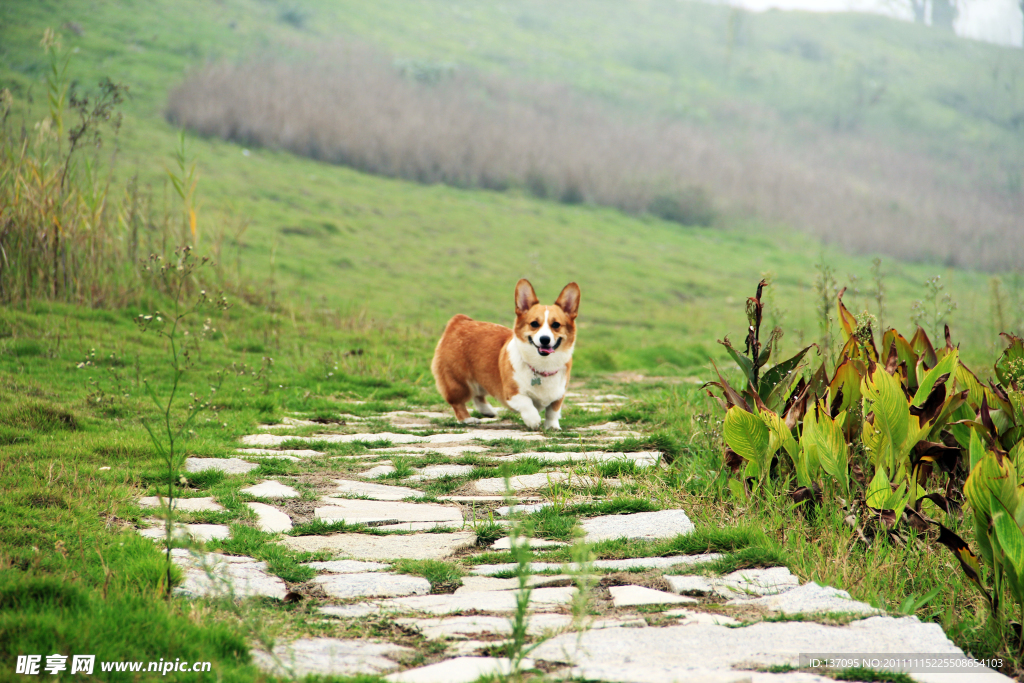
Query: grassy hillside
[(326, 237)]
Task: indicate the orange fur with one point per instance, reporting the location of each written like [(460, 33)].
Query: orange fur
[(475, 359)]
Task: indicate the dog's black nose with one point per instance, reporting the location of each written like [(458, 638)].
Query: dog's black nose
[(545, 340)]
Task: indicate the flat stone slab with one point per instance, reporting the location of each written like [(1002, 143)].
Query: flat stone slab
[(541, 599), (708, 652), (183, 504), (437, 471), (689, 584), (366, 547), (271, 489), (212, 574), (378, 471), (370, 585), (355, 611), (376, 491), (688, 617), (475, 584), (347, 566), (506, 510), (647, 526), (496, 485), (462, 626), (640, 458), (810, 598), (484, 499), (329, 657), (419, 526), (606, 427), (269, 519), (419, 451), (358, 511), (225, 465), (278, 439), (485, 435), (629, 596), (458, 670), (755, 582), (198, 532), (290, 454), (289, 423), (616, 565), (506, 543)]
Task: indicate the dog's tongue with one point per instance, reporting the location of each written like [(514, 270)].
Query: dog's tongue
[(544, 352)]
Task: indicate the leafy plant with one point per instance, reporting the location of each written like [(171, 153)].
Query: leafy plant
[(873, 433), (995, 488), (167, 433)]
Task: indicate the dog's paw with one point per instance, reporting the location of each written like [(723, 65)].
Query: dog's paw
[(471, 421), (532, 421), (552, 424)]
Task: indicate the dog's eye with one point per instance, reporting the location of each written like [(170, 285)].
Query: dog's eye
[(535, 324), (555, 326)]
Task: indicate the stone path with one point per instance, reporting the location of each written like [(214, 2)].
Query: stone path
[(368, 506)]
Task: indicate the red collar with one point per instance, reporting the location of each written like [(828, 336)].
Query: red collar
[(542, 374)]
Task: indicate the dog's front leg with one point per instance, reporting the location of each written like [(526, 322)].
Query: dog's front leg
[(552, 415), (524, 406)]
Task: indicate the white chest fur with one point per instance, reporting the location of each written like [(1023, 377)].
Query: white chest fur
[(533, 379)]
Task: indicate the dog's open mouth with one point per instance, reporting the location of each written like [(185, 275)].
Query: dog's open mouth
[(547, 350)]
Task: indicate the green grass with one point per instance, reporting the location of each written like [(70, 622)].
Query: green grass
[(71, 574), (444, 577), (870, 675), (700, 276)]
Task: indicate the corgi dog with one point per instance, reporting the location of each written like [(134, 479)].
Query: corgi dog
[(525, 368)]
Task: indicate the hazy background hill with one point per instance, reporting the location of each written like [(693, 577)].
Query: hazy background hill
[(709, 133)]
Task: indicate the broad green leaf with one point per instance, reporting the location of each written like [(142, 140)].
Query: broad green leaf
[(969, 381), (752, 470), (992, 479), (878, 490), (878, 445), (1011, 542), (892, 412), (781, 436), (832, 451), (898, 500), (1017, 458), (976, 450), (946, 366), (746, 434), (808, 443)]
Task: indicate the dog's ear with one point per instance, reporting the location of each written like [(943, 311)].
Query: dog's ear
[(569, 300), (526, 298)]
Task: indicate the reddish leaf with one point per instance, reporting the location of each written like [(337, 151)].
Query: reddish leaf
[(933, 405), (940, 454), (917, 521), (968, 560), (733, 460), (922, 346), (810, 495)]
